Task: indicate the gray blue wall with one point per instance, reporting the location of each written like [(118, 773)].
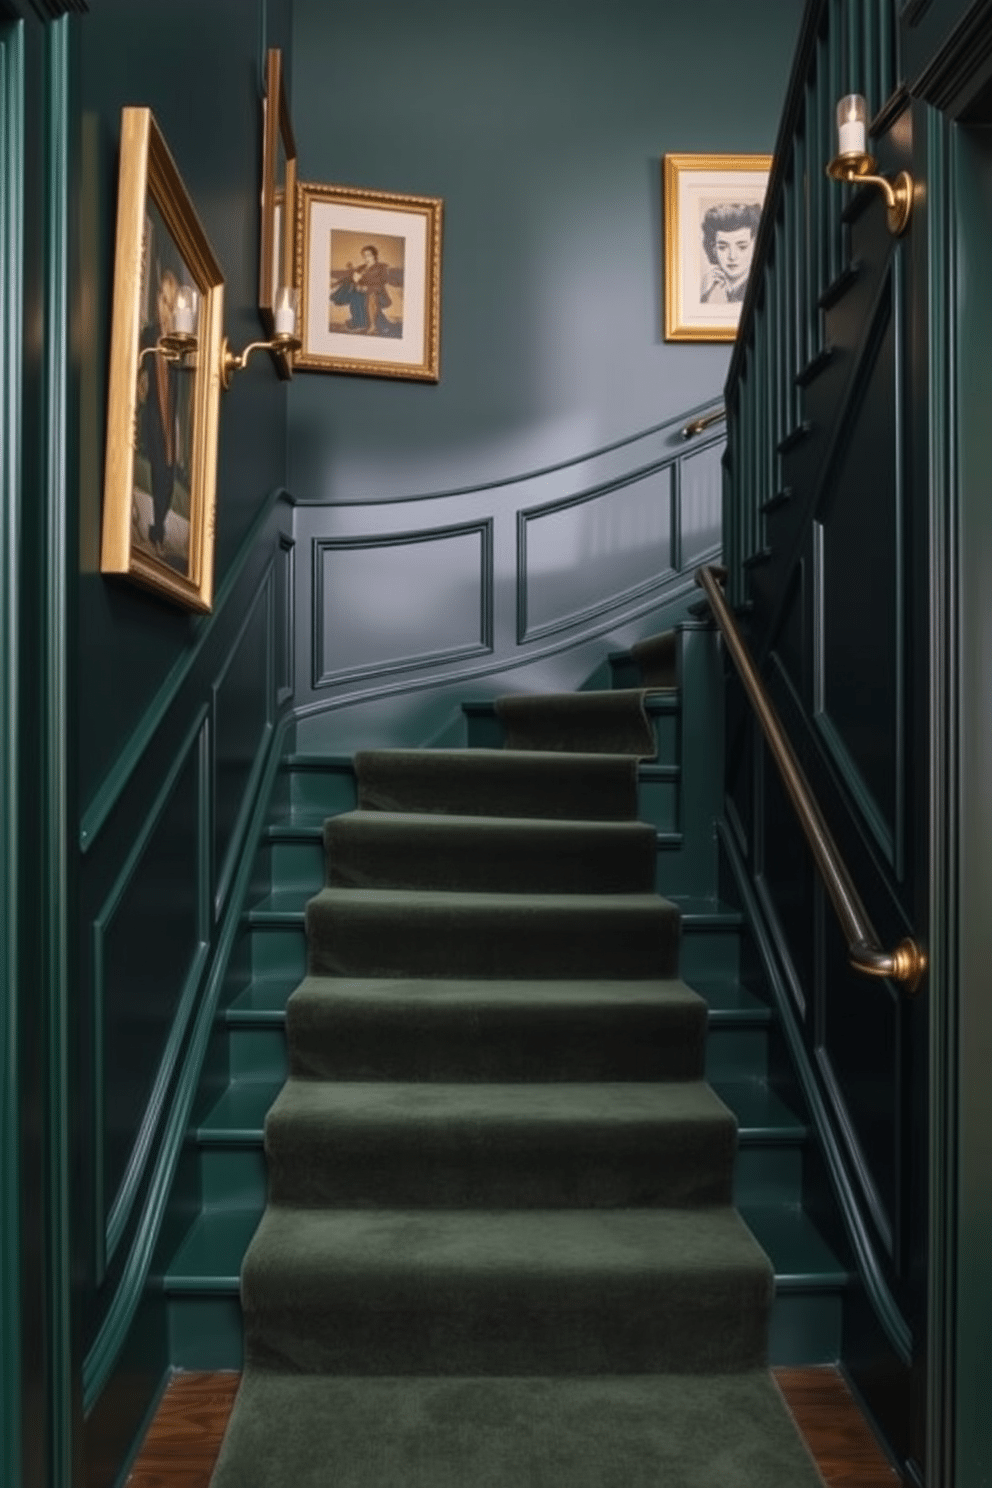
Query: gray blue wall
[(541, 123)]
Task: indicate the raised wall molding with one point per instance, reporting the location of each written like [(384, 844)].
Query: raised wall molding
[(399, 601)]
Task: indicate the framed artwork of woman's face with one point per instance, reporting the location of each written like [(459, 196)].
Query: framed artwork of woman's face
[(712, 206)]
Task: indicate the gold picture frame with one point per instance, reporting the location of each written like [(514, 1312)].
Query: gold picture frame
[(712, 207), (277, 251), (162, 403), (368, 268)]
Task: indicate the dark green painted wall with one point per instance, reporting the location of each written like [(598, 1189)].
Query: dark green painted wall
[(541, 123), (197, 66), (176, 717)]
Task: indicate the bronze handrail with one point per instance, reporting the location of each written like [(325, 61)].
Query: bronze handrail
[(697, 425), (908, 961)]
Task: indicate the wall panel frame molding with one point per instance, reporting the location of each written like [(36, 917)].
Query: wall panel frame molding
[(445, 575)]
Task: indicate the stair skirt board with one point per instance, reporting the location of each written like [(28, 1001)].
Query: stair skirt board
[(500, 1247)]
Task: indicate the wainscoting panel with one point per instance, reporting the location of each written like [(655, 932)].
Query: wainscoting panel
[(430, 596), (242, 721), (858, 659), (518, 580), (162, 848), (146, 943), (699, 505), (582, 556)]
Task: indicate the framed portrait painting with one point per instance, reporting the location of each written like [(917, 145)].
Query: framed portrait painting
[(368, 269), (712, 207), (164, 386)]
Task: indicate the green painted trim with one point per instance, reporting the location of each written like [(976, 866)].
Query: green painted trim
[(56, 630), (109, 1226), (265, 593), (100, 1360), (109, 792), (11, 273), (893, 1323), (941, 479)]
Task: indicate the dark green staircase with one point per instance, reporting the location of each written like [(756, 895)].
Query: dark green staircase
[(224, 1183)]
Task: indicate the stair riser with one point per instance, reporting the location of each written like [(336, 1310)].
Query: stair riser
[(294, 865), (368, 939), (551, 862), (258, 1053), (710, 954), (234, 1177), (323, 791), (767, 1174), (637, 1049), (278, 952), (508, 1325), (206, 1331), (237, 1176), (658, 804), (737, 1053), (476, 1047), (490, 1167), (485, 731)]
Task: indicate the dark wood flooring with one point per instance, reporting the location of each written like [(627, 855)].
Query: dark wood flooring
[(183, 1439)]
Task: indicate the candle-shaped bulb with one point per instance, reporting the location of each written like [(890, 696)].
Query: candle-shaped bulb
[(286, 308), (186, 307), (852, 118)]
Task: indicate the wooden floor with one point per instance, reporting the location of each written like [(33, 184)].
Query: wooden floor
[(182, 1442)]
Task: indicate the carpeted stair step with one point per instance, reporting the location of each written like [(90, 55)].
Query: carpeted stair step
[(403, 850), (498, 782), (386, 1144), (579, 722), (653, 1431), (396, 932), (560, 1291), (404, 1028)]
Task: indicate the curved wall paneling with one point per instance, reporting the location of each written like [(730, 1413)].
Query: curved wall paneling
[(397, 598)]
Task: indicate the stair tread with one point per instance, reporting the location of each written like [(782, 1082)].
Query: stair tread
[(729, 999), (801, 1256), (429, 1103), (238, 1115), (504, 1433), (657, 700), (759, 1109), (263, 999), (531, 1242), (455, 901), (512, 991), (209, 1258), (423, 821)]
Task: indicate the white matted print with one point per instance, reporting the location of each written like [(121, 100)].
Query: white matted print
[(369, 272), (713, 206)]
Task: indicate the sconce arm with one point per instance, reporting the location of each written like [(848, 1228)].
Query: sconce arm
[(234, 361)]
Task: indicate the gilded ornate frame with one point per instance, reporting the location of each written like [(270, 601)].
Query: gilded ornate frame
[(180, 567), (691, 184), (406, 232)]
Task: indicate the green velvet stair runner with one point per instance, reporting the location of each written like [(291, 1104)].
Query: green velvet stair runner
[(500, 1249)]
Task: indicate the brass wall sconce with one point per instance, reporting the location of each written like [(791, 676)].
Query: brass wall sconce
[(180, 343), (284, 339), (853, 163)]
